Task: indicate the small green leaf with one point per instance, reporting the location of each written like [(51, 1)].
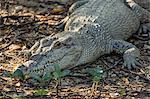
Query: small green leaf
[(41, 92), (17, 97), (57, 75), (57, 68), (97, 78), (47, 76), (18, 74), (65, 73), (96, 73), (7, 74), (122, 92)]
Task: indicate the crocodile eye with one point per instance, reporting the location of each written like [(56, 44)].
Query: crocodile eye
[(57, 45)]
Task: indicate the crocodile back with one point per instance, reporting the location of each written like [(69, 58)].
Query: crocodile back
[(100, 21), (113, 16)]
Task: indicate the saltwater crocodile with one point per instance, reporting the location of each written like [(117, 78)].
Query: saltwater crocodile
[(94, 28)]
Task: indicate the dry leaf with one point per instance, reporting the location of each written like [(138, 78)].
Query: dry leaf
[(58, 9), (14, 47), (126, 81)]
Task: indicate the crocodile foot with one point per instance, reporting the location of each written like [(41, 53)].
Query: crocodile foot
[(143, 32), (131, 59)]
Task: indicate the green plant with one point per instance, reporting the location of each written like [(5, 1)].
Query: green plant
[(18, 74), (58, 74), (96, 74), (18, 97), (122, 92), (41, 92), (35, 78)]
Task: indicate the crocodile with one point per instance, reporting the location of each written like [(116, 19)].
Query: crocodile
[(94, 28)]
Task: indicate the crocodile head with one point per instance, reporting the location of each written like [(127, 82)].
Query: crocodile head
[(64, 51)]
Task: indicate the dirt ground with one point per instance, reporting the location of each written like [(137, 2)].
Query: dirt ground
[(22, 24)]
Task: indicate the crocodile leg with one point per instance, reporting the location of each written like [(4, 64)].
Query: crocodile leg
[(144, 17), (143, 3), (142, 13), (130, 53), (143, 29)]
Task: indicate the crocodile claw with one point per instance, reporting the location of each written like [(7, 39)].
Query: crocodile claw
[(131, 63)]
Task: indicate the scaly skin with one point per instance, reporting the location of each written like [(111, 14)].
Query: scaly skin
[(95, 28), (143, 15), (143, 3)]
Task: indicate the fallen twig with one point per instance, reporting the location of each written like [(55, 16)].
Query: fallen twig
[(113, 66), (125, 70), (134, 73)]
